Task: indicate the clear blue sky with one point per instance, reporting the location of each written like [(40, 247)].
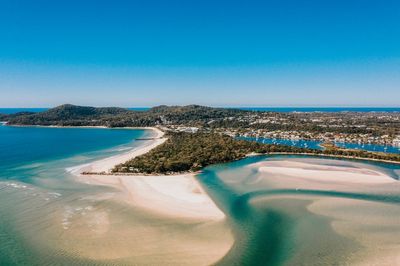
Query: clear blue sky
[(219, 53)]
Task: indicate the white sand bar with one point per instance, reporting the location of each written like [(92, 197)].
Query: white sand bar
[(323, 173), (174, 196), (178, 196)]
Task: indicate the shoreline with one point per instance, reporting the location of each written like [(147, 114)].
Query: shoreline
[(157, 129), (323, 174), (174, 196), (108, 219), (327, 156), (5, 123), (105, 165), (367, 223), (177, 199)]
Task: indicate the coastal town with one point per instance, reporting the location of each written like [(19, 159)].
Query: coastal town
[(380, 128), (294, 135)]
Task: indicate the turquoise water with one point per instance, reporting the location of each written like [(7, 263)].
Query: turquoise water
[(37, 195), (47, 218), (312, 144), (21, 146), (273, 225)]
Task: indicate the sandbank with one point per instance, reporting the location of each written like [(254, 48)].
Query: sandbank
[(174, 196), (324, 173)]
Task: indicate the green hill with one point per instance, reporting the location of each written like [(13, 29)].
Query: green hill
[(72, 115)]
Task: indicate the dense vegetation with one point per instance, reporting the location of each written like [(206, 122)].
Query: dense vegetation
[(71, 115), (190, 152), (68, 115), (209, 118), (382, 128), (3, 117)]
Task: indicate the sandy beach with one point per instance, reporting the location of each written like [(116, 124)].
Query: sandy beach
[(164, 208), (324, 173), (372, 225), (107, 164), (173, 196), (181, 199)]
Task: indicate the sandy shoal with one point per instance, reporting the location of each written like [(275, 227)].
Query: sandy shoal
[(175, 222), (324, 173), (373, 226), (172, 195)]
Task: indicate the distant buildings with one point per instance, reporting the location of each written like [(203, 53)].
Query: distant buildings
[(185, 129), (396, 141)]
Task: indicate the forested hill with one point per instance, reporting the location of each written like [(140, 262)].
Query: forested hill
[(67, 115), (72, 115), (381, 128)]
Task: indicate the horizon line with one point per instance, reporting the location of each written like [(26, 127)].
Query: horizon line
[(215, 106)]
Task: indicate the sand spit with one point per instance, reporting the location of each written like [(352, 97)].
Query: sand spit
[(174, 196), (173, 204), (107, 164)]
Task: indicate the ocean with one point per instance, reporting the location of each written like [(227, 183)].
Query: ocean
[(38, 197), (48, 218)]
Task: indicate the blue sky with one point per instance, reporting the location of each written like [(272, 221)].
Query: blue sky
[(220, 53)]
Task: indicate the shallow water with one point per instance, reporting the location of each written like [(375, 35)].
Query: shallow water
[(279, 220), (47, 218), (38, 198)]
